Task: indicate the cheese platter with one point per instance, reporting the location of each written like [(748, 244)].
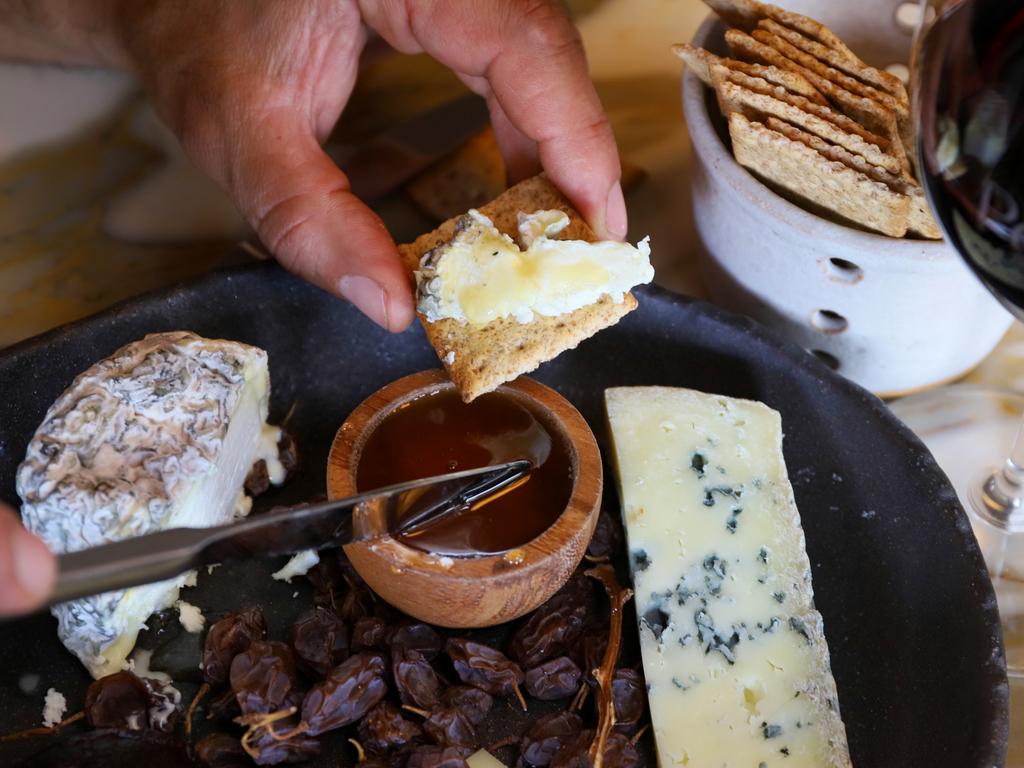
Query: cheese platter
[(907, 608)]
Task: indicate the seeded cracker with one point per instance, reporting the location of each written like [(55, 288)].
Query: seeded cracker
[(821, 121), (919, 221), (852, 66), (467, 178), (746, 13), (479, 358), (767, 33), (882, 112), (701, 61), (807, 175), (738, 13), (873, 116)]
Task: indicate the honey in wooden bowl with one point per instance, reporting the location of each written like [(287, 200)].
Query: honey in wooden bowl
[(439, 433), (497, 562)]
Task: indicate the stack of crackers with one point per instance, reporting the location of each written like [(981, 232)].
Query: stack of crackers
[(812, 120)]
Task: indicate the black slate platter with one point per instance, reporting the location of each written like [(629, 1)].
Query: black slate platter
[(909, 611)]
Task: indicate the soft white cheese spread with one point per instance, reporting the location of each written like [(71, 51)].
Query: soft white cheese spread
[(191, 617), (482, 275), (54, 707), (139, 665), (298, 565)]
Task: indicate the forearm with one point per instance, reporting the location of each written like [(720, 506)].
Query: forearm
[(71, 32)]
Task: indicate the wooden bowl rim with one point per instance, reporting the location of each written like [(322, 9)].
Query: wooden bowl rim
[(584, 499)]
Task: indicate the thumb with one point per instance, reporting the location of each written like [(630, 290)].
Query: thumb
[(27, 568), (301, 206)]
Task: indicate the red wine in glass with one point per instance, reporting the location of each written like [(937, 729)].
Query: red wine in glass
[(969, 117), (970, 109)]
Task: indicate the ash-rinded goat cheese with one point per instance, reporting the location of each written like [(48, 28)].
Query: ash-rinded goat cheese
[(159, 435), (733, 650)]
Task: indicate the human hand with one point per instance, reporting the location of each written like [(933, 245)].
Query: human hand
[(251, 89), (28, 569)]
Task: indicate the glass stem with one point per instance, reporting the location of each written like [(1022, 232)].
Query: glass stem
[(1002, 496)]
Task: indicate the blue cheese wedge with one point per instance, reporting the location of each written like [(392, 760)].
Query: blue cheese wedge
[(160, 435), (733, 650), (482, 275)]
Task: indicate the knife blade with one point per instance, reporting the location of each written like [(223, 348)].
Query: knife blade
[(404, 508), (385, 162)]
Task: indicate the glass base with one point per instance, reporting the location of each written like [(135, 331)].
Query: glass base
[(970, 431)]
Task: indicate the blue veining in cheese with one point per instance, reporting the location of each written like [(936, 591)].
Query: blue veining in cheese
[(734, 652)]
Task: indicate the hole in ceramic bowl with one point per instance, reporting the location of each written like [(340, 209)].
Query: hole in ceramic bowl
[(908, 16), (828, 321), (902, 71), (827, 358), (844, 271)]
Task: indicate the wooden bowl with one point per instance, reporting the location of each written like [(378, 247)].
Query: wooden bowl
[(489, 589)]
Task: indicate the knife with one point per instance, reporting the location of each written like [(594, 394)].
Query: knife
[(385, 162), (405, 508), (388, 160)]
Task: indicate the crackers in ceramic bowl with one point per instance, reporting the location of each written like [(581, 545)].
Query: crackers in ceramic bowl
[(813, 121), (479, 356)]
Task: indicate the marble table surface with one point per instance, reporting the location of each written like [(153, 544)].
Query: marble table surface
[(97, 202)]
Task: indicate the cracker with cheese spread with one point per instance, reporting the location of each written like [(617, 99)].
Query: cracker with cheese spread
[(487, 331)]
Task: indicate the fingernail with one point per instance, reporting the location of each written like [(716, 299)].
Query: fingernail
[(615, 213), (368, 297), (33, 563)]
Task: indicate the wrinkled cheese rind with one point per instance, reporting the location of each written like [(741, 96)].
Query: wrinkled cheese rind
[(733, 650), (161, 434), (482, 275)]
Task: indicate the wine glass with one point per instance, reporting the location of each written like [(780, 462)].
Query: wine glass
[(968, 94)]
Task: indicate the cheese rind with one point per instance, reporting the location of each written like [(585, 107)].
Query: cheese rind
[(159, 435), (733, 650)]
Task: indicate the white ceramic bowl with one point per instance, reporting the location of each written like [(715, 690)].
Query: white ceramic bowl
[(893, 315)]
